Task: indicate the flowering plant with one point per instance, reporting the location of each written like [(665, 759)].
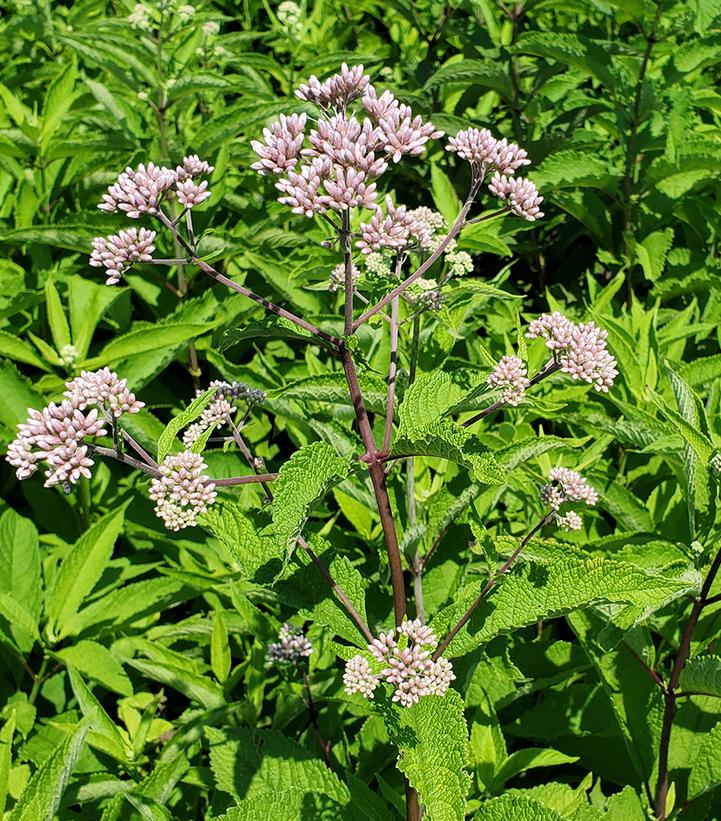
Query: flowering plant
[(396, 524)]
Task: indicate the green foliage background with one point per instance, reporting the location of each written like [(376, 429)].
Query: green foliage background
[(133, 681)]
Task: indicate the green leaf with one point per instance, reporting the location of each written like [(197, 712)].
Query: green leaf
[(303, 481), (219, 648), (143, 340), (702, 674), (20, 619), (444, 195), (87, 303), (591, 56), (41, 797), (432, 740), (706, 769), (182, 420), (542, 590), (570, 168), (201, 689), (18, 349), (95, 661), (57, 320), (81, 569), (651, 252), (272, 327), (104, 735), (330, 614), (512, 808), (20, 562), (526, 759), (249, 763), (6, 757), (58, 100)]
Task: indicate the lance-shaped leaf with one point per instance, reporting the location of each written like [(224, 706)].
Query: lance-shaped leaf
[(182, 420)]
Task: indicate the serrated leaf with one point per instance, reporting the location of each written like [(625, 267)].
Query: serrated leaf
[(702, 674), (541, 590), (432, 740), (6, 756), (42, 795), (526, 759), (706, 769), (330, 614), (20, 619), (95, 661), (302, 482), (144, 340), (13, 347), (81, 569), (651, 252), (512, 808), (182, 420)]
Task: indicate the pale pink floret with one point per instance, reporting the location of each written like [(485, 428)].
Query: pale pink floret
[(555, 328), (337, 91), (105, 389), (138, 191), (348, 189), (587, 357), (291, 648), (573, 486), (358, 677), (569, 522), (191, 193), (282, 143), (118, 252), (193, 166), (511, 375), (520, 195), (402, 133), (396, 230)]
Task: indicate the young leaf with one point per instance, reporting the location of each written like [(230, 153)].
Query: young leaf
[(56, 317), (182, 420)]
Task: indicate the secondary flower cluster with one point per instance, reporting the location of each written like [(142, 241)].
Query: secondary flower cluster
[(56, 435), (221, 407), (290, 649), (405, 663), (580, 349), (138, 192), (183, 490), (511, 375), (345, 155), (567, 486)]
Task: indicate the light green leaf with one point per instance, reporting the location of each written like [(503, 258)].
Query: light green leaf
[(143, 340), (18, 349), (651, 252), (541, 590), (706, 770), (95, 661), (702, 674), (6, 757), (20, 575), (219, 648), (58, 100), (87, 303), (20, 619), (182, 420), (444, 195), (303, 482), (81, 569), (201, 689), (57, 320), (432, 739), (330, 614), (104, 735), (41, 797), (513, 808), (526, 759)]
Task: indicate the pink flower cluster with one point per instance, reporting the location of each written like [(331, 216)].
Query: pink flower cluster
[(140, 191), (56, 435), (567, 486), (406, 664), (290, 649), (118, 252), (580, 349), (345, 155), (521, 196), (399, 229), (183, 490), (511, 375)]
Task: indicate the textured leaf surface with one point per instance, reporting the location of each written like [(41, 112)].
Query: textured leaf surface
[(303, 481), (540, 590), (511, 808), (95, 661), (182, 420), (702, 675), (706, 770), (432, 738)]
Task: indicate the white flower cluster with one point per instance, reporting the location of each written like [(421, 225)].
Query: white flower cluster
[(511, 375), (580, 349), (56, 435), (290, 649), (405, 663), (567, 486), (223, 405), (182, 491), (336, 281)]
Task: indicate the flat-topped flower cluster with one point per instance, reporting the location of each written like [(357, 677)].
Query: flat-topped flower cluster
[(566, 485), (183, 490), (404, 662), (290, 649), (56, 435)]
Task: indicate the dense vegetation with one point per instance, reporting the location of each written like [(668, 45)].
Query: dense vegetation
[(142, 672)]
